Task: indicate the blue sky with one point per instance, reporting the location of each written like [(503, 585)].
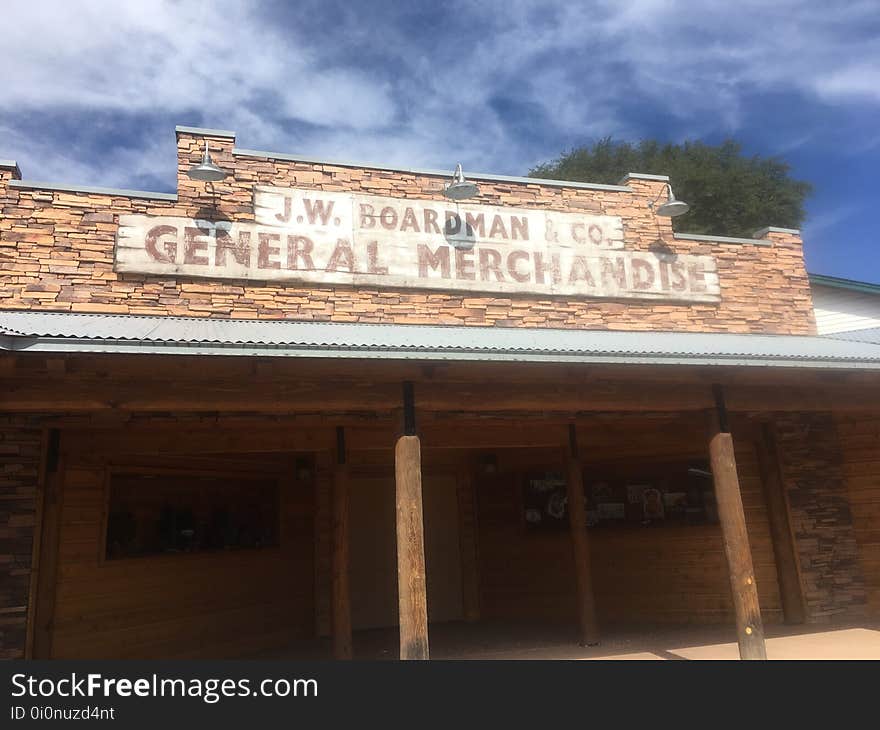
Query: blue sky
[(90, 91)]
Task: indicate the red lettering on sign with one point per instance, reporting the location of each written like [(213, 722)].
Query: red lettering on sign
[(498, 229), (299, 248), (317, 209), (265, 251), (519, 227), (388, 218), (453, 223), (642, 274), (284, 217), (542, 267), (679, 281), (614, 269), (240, 249), (434, 260), (464, 264), (476, 223), (191, 246), (431, 221), (342, 256), (697, 277), (409, 221), (151, 243), (580, 271), (513, 258), (373, 266), (490, 267), (368, 219)]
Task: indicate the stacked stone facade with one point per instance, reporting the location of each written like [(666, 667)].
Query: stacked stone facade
[(822, 521), (57, 254)]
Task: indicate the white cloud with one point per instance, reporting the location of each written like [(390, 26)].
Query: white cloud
[(584, 66)]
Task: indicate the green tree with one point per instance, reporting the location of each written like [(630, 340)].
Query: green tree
[(729, 194)]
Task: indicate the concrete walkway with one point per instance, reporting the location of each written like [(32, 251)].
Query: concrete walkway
[(530, 641)]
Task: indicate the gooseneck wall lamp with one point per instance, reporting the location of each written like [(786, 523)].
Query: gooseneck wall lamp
[(206, 170), (672, 207), (458, 188)]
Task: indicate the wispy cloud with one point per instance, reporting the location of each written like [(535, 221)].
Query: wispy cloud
[(496, 85)]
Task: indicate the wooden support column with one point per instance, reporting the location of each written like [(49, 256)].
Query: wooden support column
[(47, 574), (342, 644), (412, 589), (790, 589), (749, 627), (580, 542)]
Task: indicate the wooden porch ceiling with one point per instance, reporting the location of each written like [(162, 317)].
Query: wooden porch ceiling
[(135, 384)]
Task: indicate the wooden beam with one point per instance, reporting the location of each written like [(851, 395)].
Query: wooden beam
[(577, 518), (411, 581), (749, 627), (47, 577), (467, 540), (788, 575), (342, 643)]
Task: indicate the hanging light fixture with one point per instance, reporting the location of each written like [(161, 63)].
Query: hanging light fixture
[(458, 188), (672, 207), (206, 170)]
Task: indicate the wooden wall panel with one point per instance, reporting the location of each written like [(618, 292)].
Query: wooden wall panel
[(650, 575), (211, 604), (860, 440)]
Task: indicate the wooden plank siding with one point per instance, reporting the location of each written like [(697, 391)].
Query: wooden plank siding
[(237, 602), (860, 442), (211, 604), (661, 574)]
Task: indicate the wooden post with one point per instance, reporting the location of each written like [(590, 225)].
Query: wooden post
[(47, 576), (412, 589), (790, 590), (580, 542), (467, 540), (749, 627), (342, 644)]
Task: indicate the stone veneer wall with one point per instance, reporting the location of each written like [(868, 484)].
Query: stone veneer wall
[(822, 521), (57, 254)]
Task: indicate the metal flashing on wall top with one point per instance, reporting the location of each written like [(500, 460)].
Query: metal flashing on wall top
[(773, 229), (642, 176), (29, 184), (722, 239), (264, 155), (11, 165), (204, 131)]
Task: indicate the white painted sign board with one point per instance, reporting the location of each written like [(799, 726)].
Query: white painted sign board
[(321, 238)]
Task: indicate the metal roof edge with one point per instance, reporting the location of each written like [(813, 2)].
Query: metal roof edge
[(849, 284), (91, 189), (722, 239), (66, 345), (204, 131), (239, 152)]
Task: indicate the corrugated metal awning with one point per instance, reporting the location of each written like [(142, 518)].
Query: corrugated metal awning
[(63, 332)]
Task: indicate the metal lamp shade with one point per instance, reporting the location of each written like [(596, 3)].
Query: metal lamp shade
[(206, 170), (672, 207), (459, 188)]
